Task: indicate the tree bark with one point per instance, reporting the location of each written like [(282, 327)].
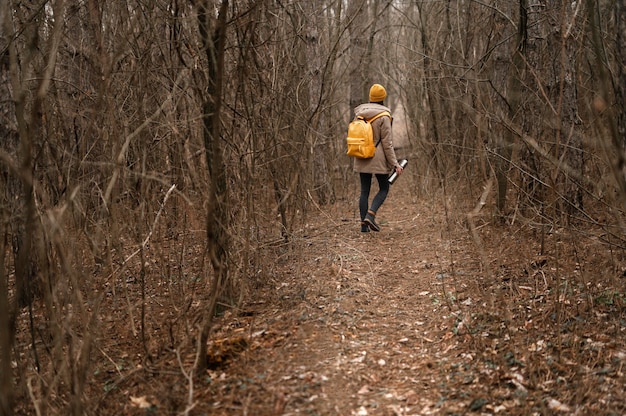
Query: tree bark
[(8, 180), (359, 67), (614, 144), (433, 106), (317, 126), (214, 40), (513, 93), (620, 17)]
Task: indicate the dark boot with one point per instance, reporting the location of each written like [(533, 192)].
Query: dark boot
[(364, 227), (370, 220)]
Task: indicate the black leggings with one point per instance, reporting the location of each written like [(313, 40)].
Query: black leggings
[(379, 198)]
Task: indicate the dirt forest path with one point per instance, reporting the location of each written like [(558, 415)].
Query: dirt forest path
[(408, 321), (357, 326)]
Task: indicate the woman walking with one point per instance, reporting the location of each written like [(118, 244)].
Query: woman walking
[(383, 162)]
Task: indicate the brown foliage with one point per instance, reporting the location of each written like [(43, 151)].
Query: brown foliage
[(468, 301)]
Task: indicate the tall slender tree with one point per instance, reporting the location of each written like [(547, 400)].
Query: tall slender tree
[(213, 32), (359, 74), (620, 18), (317, 131), (513, 92)]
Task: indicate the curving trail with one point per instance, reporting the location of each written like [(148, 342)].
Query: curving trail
[(358, 324), (407, 322)]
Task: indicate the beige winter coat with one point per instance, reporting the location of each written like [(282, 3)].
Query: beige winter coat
[(384, 159)]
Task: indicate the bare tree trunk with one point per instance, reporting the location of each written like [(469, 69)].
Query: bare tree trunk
[(433, 106), (620, 17), (551, 59), (214, 39), (8, 180), (614, 144), (22, 192), (568, 143), (24, 111), (505, 150), (316, 127), (7, 330), (359, 67)]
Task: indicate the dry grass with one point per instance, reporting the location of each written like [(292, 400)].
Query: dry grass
[(414, 320)]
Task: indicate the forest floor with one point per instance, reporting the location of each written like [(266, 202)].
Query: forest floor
[(421, 318)]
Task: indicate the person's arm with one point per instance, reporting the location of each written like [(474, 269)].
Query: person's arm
[(386, 141)]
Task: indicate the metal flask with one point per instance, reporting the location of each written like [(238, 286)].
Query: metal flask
[(394, 175)]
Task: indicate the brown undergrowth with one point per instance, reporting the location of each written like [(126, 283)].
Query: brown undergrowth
[(415, 320)]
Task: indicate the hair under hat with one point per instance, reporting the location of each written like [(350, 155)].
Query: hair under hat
[(377, 93)]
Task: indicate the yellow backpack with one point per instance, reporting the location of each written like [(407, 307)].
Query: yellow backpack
[(360, 138)]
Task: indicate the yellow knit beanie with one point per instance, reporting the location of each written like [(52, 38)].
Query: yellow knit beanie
[(377, 93)]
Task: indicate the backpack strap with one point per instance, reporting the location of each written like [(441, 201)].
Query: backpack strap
[(381, 114)]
